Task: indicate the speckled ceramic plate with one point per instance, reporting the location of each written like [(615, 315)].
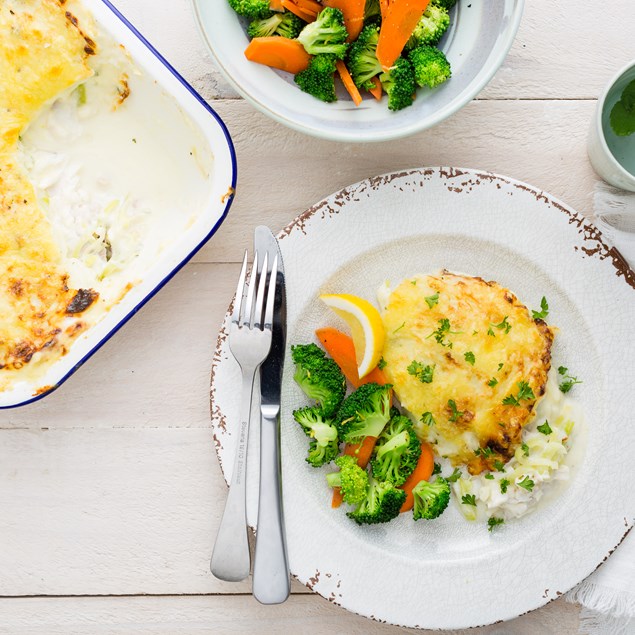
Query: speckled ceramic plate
[(451, 573), (476, 44)]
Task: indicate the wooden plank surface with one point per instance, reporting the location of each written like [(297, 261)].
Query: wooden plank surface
[(110, 486)]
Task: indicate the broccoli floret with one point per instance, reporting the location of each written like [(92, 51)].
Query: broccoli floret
[(396, 452), (284, 24), (381, 504), (319, 376), (364, 413), (318, 79), (290, 26), (327, 35), (430, 499), (431, 66), (251, 9), (351, 478), (324, 446), (431, 26), (446, 4), (264, 27), (399, 83), (372, 12), (362, 57)]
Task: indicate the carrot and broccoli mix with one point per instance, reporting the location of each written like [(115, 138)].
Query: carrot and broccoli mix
[(377, 46)]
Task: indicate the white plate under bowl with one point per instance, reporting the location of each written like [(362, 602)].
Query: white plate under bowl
[(451, 573), (180, 114), (476, 44)]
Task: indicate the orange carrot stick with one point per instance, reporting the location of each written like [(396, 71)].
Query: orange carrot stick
[(348, 82), (276, 5), (309, 5), (397, 26), (353, 11), (377, 91), (303, 14), (422, 472), (278, 52), (383, 8), (341, 348)]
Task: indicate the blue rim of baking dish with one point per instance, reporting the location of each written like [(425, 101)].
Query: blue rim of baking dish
[(219, 222)]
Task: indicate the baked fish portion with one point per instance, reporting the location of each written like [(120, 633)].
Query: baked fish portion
[(469, 363)]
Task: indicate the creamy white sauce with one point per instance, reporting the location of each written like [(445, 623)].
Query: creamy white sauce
[(110, 176)]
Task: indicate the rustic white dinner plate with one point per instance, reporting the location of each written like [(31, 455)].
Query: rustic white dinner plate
[(451, 573)]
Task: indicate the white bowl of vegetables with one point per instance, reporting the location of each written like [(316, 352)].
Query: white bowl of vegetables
[(359, 70)]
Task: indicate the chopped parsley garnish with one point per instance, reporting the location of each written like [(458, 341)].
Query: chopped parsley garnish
[(484, 452), (428, 419), (469, 499), (489, 476), (504, 325), (455, 476), (544, 310), (525, 448), (568, 380), (432, 300), (500, 366), (499, 465), (526, 483), (456, 413), (545, 428), (524, 392), (492, 382), (493, 521), (504, 485), (413, 283), (442, 331), (469, 358), (425, 374), (399, 327), (437, 469), (381, 364)]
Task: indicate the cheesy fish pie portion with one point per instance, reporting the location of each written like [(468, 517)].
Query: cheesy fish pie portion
[(468, 362)]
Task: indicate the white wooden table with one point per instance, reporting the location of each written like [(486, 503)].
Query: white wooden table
[(110, 492)]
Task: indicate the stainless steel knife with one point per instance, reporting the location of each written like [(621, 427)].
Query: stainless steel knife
[(271, 584)]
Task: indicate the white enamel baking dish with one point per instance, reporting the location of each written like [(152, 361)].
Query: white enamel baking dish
[(220, 183)]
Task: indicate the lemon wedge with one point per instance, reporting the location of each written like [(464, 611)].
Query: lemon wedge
[(367, 329)]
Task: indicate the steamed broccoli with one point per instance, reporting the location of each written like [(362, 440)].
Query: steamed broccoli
[(396, 452), (381, 504), (251, 9), (319, 376), (399, 83), (362, 58), (431, 67), (431, 26), (351, 478), (446, 4), (324, 446), (284, 24), (327, 35), (430, 499), (364, 413), (372, 12), (318, 79)]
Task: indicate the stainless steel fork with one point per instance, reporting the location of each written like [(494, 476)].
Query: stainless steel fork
[(249, 342)]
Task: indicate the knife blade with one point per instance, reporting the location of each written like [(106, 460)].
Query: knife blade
[(271, 583)]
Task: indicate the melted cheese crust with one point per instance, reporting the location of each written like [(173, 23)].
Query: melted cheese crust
[(480, 429), (43, 52)]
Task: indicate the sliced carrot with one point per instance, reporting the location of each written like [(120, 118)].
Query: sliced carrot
[(362, 452), (353, 11), (377, 91), (348, 82), (340, 347), (396, 28), (383, 7), (278, 52), (309, 5), (276, 5), (303, 14), (422, 472)]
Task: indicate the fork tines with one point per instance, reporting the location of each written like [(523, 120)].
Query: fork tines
[(246, 313)]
